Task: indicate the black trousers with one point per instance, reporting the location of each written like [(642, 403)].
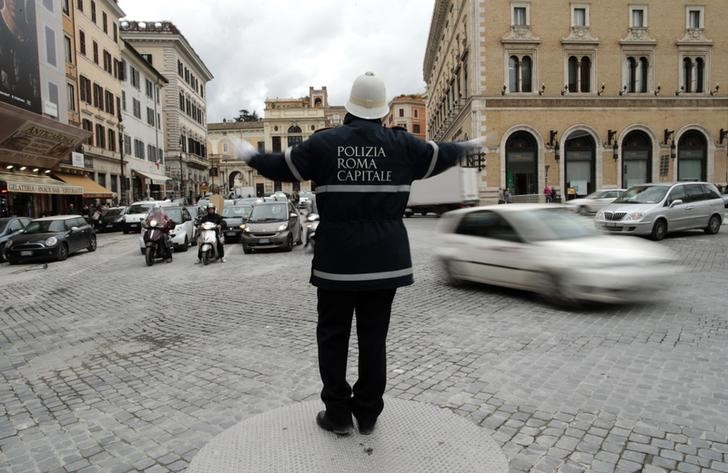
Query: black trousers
[(335, 313)]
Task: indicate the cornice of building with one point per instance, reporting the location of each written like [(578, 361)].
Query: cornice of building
[(233, 125), (115, 8), (133, 31), (149, 68), (436, 26)]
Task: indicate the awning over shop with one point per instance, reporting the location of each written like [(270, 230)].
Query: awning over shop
[(27, 138), (91, 189), (159, 179), (25, 183)]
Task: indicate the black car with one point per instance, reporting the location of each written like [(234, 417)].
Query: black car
[(235, 216), (273, 224), (51, 238), (112, 220), (9, 227)]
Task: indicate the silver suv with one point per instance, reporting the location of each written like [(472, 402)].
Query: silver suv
[(656, 209)]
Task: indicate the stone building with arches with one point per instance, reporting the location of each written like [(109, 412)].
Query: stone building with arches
[(581, 95), (286, 122)]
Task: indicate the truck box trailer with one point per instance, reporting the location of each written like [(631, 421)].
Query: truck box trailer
[(453, 189)]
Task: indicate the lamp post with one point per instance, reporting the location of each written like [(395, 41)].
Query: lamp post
[(181, 175), (122, 193)]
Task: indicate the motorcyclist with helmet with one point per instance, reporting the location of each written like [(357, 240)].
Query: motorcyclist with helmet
[(214, 217), (165, 224)]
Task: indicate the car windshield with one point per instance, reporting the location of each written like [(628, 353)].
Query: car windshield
[(174, 214), (597, 195), (139, 208), (643, 195), (113, 212), (551, 224), (269, 213), (237, 211), (45, 226)]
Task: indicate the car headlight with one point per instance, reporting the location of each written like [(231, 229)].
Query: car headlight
[(282, 227), (51, 241), (633, 217), (600, 215), (244, 228)]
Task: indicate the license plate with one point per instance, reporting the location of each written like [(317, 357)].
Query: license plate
[(610, 224), (264, 240), (109, 225), (26, 253), (134, 225), (230, 233)]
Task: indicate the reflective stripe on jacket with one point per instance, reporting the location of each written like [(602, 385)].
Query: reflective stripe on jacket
[(363, 173)]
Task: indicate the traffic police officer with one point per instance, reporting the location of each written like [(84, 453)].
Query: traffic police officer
[(363, 173)]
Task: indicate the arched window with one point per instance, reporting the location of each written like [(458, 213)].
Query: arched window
[(636, 159), (585, 74), (687, 75), (521, 163), (526, 74), (692, 152), (580, 164), (699, 75), (573, 74), (294, 129), (643, 74), (294, 135), (513, 74), (632, 68)]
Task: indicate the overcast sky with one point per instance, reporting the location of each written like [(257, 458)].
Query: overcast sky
[(278, 48)]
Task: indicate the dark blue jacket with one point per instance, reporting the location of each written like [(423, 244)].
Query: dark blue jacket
[(362, 173)]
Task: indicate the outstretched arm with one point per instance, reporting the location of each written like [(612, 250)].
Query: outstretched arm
[(290, 166), (432, 158)]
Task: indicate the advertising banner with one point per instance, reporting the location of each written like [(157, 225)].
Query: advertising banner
[(19, 71)]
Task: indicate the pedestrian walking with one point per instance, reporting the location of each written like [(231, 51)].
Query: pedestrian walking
[(548, 193), (507, 196), (363, 172)]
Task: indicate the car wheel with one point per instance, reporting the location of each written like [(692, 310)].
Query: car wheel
[(659, 230), (124, 231), (62, 252), (583, 210), (91, 243), (186, 244), (557, 292), (713, 225), (449, 274), (247, 250)]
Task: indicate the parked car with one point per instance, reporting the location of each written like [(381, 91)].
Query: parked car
[(595, 201), (51, 238), (9, 227), (112, 219), (182, 236), (272, 224), (136, 213), (548, 249), (234, 217), (658, 209)]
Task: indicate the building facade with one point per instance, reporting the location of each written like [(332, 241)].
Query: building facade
[(184, 102), (581, 95), (143, 135), (408, 112), (100, 73), (286, 122)]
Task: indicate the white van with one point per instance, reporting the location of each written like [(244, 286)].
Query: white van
[(137, 212)]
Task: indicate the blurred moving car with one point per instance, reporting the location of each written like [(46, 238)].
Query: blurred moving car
[(182, 236), (112, 219), (9, 227), (657, 209), (136, 213), (548, 249), (51, 238), (272, 224), (595, 201), (234, 216)]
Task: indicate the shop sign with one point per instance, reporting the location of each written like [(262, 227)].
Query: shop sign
[(39, 140), (32, 188), (77, 159)]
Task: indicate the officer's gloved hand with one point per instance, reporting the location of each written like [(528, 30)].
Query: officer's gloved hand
[(473, 145), (244, 151)]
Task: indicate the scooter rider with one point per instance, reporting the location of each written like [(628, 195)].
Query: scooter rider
[(214, 217), (164, 223), (363, 172)]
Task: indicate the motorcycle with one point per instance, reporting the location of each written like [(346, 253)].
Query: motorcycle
[(312, 222), (156, 245), (207, 242)]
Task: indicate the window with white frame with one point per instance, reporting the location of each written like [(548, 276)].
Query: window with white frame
[(695, 17), (637, 73), (520, 14), (579, 73), (693, 74), (520, 73), (580, 15), (638, 16)]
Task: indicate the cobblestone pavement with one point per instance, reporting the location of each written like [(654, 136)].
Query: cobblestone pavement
[(107, 365)]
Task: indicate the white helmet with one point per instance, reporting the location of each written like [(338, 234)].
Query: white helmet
[(368, 97)]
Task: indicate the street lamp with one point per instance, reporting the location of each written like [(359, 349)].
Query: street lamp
[(181, 175), (122, 193)]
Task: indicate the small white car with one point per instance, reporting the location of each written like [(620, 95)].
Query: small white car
[(595, 201), (183, 233), (136, 213), (548, 249)]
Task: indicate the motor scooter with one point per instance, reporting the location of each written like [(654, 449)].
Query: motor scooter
[(156, 245), (207, 242), (312, 222)]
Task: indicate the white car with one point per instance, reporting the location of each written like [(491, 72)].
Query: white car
[(136, 213), (548, 249), (183, 233), (595, 201)]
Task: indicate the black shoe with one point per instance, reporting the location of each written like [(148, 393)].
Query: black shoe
[(325, 423), (365, 428)]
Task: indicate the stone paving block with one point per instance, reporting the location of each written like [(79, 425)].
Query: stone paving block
[(688, 468), (719, 466)]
